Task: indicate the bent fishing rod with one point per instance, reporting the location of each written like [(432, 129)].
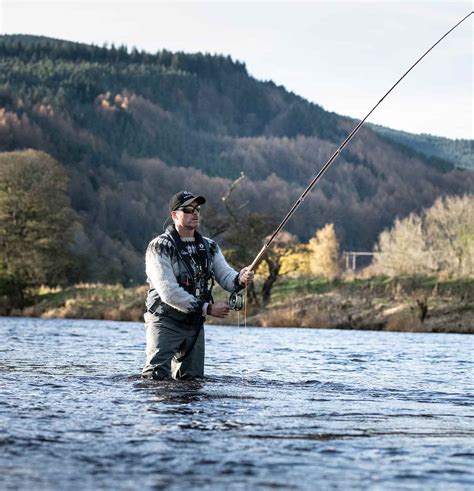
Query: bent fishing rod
[(236, 300)]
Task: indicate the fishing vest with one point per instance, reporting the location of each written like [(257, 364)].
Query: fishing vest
[(194, 275)]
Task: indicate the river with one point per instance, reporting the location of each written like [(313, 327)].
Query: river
[(298, 409)]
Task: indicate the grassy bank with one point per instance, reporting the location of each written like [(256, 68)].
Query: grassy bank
[(394, 304), (86, 301), (421, 304)]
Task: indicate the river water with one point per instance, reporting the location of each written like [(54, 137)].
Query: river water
[(279, 408)]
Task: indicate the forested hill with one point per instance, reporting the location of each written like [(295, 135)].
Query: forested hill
[(132, 127), (458, 152)]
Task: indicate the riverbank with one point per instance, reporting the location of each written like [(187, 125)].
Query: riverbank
[(396, 304), (400, 304)]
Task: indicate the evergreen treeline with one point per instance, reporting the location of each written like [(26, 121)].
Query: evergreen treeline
[(131, 128), (458, 152)]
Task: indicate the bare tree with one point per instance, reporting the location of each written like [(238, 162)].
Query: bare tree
[(440, 240), (244, 233)]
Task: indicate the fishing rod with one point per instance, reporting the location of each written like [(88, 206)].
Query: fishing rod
[(236, 300)]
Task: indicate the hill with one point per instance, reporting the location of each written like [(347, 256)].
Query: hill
[(132, 127), (458, 152)]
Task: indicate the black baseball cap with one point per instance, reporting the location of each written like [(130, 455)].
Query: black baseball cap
[(184, 198)]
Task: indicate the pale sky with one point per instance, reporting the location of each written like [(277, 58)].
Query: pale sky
[(341, 55)]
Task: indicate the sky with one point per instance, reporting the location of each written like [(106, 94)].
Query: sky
[(342, 55)]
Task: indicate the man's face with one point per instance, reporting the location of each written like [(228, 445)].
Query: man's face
[(188, 221)]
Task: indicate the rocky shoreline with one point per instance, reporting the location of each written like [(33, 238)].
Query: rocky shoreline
[(405, 305), (337, 311)]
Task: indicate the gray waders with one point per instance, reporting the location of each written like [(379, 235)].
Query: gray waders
[(166, 341)]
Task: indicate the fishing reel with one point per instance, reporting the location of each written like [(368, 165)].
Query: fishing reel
[(236, 300)]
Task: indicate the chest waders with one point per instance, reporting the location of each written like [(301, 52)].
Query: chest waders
[(198, 281)]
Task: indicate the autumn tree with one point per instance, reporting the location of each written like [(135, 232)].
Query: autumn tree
[(323, 251), (440, 240), (35, 221)]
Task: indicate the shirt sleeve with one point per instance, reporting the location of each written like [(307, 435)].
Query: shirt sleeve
[(225, 275), (159, 269)]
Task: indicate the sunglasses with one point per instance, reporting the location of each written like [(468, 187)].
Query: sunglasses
[(190, 209)]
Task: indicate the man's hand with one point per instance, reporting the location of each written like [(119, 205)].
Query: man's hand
[(219, 309), (246, 276)]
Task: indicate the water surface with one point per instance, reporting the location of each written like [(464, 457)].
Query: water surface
[(280, 408)]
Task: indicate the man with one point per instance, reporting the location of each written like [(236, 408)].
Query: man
[(181, 266)]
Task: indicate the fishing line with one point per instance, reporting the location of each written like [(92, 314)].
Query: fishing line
[(242, 336), (166, 222), (245, 307), (242, 333)]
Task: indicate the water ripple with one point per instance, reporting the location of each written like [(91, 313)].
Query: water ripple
[(286, 408)]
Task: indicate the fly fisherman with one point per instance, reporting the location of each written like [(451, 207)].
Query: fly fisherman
[(181, 266)]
